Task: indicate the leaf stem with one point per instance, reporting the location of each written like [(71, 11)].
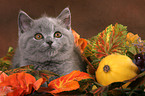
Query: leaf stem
[(89, 64)]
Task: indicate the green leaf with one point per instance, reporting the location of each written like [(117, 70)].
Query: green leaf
[(111, 40), (28, 68), (5, 62), (84, 84)]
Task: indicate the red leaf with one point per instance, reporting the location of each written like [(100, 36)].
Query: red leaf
[(22, 83), (110, 40), (38, 83), (3, 89), (80, 42), (68, 82)]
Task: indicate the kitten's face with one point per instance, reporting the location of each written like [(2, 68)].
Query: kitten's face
[(45, 38)]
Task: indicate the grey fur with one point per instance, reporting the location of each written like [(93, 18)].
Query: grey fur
[(61, 56)]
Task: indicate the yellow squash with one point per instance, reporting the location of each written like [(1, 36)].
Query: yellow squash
[(115, 68)]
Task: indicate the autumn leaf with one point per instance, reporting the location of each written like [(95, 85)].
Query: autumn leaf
[(111, 40), (2, 76), (76, 36), (22, 83), (4, 89), (38, 83), (28, 68), (80, 42), (68, 82), (45, 74)]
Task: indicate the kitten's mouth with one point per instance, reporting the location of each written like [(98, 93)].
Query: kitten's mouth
[(48, 51), (48, 48)]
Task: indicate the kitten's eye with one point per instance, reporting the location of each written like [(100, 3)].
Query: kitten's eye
[(38, 36), (57, 34)]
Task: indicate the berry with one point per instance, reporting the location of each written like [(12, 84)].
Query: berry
[(139, 60)]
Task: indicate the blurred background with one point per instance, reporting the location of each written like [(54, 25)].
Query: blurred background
[(89, 17)]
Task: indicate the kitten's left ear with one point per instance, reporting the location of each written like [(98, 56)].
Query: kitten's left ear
[(65, 17)]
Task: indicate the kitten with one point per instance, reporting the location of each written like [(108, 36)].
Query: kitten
[(48, 44)]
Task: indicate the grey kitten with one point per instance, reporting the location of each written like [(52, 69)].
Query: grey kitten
[(48, 44)]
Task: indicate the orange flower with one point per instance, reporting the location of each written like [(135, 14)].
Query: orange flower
[(21, 83), (80, 42), (68, 82), (3, 89)]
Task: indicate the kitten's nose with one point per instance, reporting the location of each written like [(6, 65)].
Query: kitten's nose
[(50, 43)]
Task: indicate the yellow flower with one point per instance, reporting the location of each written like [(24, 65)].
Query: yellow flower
[(131, 38)]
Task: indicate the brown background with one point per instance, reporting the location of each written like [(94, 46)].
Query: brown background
[(88, 16)]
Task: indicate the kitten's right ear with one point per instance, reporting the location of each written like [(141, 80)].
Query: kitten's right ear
[(65, 17), (24, 21)]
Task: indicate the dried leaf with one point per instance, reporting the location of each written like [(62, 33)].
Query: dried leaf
[(28, 68), (46, 74)]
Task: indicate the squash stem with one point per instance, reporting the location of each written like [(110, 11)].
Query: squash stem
[(106, 68)]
